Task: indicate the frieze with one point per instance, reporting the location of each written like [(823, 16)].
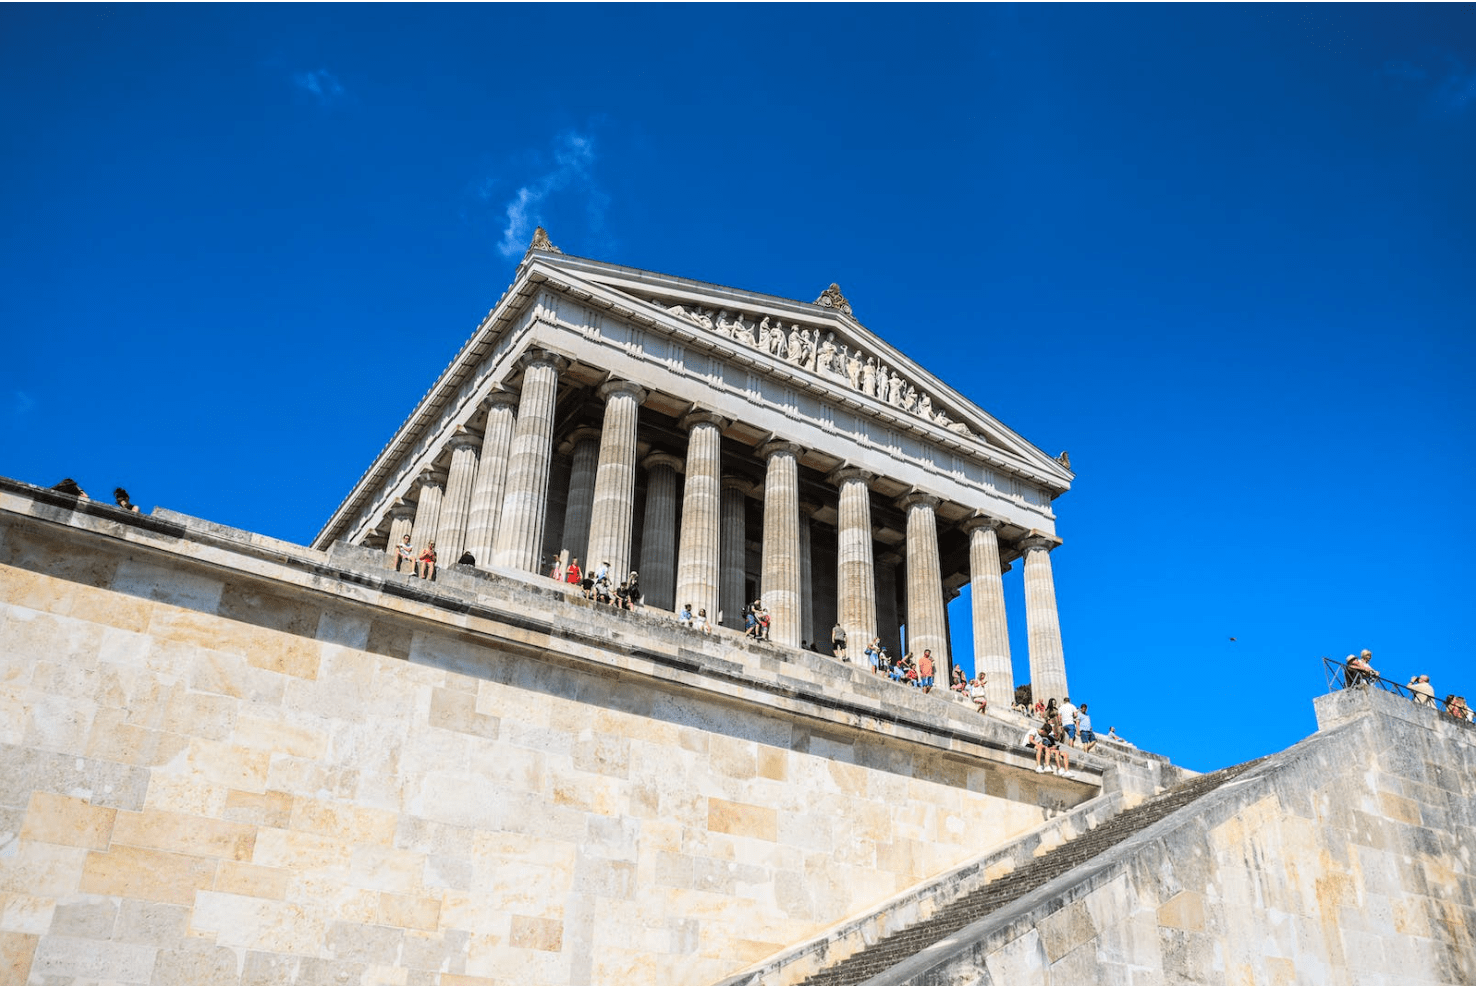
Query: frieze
[(819, 352)]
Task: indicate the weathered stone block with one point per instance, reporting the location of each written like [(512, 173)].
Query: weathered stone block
[(67, 821)]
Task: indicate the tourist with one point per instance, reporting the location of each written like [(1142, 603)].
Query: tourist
[(1084, 729), (1112, 735), (685, 616), (70, 488), (572, 575), (425, 567), (622, 596), (603, 594), (763, 625), (910, 674), (1424, 692), (405, 555), (1360, 671), (874, 655), (1068, 720), (702, 623), (925, 672), (976, 692), (960, 682), (750, 619), (636, 600), (1063, 756), (838, 642), (467, 558), (1045, 749), (1456, 706), (120, 496)]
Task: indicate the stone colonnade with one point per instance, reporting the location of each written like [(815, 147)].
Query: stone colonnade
[(493, 499)]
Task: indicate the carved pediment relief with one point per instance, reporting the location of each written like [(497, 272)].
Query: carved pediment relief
[(817, 348)]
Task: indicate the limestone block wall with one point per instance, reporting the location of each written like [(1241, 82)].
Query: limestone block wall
[(225, 759), (1347, 859)]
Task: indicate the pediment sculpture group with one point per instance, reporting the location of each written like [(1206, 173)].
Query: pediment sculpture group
[(807, 349)]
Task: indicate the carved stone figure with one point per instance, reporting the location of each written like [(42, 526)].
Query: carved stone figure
[(540, 242), (868, 377), (832, 298), (961, 428), (909, 399), (853, 369), (811, 349), (940, 417), (825, 356), (796, 353), (896, 391), (743, 332), (925, 407), (1064, 459), (763, 334), (777, 344)]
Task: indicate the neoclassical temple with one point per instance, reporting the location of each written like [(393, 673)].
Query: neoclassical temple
[(730, 446)]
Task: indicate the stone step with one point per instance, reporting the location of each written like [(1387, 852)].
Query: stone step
[(963, 912)]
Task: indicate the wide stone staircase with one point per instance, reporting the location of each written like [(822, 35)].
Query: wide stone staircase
[(963, 912)]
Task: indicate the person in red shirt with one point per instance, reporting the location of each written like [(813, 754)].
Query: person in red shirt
[(426, 566), (925, 671), (572, 574)]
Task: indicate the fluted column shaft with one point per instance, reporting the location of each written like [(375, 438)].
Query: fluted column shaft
[(456, 506), (658, 537), (991, 632), (520, 531), (614, 492), (428, 511), (402, 522), (698, 549), (486, 500), (781, 564), (734, 551), (1042, 624), (927, 618), (809, 626), (584, 467), (855, 567)]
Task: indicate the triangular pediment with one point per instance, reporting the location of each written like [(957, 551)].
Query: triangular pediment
[(821, 338)]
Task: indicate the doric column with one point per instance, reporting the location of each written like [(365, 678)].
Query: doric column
[(456, 506), (698, 549), (733, 567), (486, 501), (583, 447), (781, 565), (402, 520), (927, 618), (991, 632), (432, 485), (614, 493), (855, 568), (658, 538), (520, 532), (1042, 625)]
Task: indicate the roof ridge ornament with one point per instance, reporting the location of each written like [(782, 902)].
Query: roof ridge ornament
[(1064, 459), (540, 241), (831, 297)]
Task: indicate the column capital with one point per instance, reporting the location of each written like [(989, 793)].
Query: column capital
[(1037, 539), (657, 459), (500, 398), (981, 522), (431, 477), (918, 498), (737, 483), (701, 416), (583, 433), (775, 447), (542, 357), (401, 509), (847, 474), (612, 387), (463, 438)]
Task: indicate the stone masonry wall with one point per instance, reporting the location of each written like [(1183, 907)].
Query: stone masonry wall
[(222, 761), (1347, 859)]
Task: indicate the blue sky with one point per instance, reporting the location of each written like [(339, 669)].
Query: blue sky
[(1223, 255)]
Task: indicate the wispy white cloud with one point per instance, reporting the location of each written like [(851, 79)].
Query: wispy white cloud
[(320, 83), (1446, 81), (570, 170)]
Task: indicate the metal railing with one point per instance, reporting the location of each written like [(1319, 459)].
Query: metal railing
[(1340, 676)]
